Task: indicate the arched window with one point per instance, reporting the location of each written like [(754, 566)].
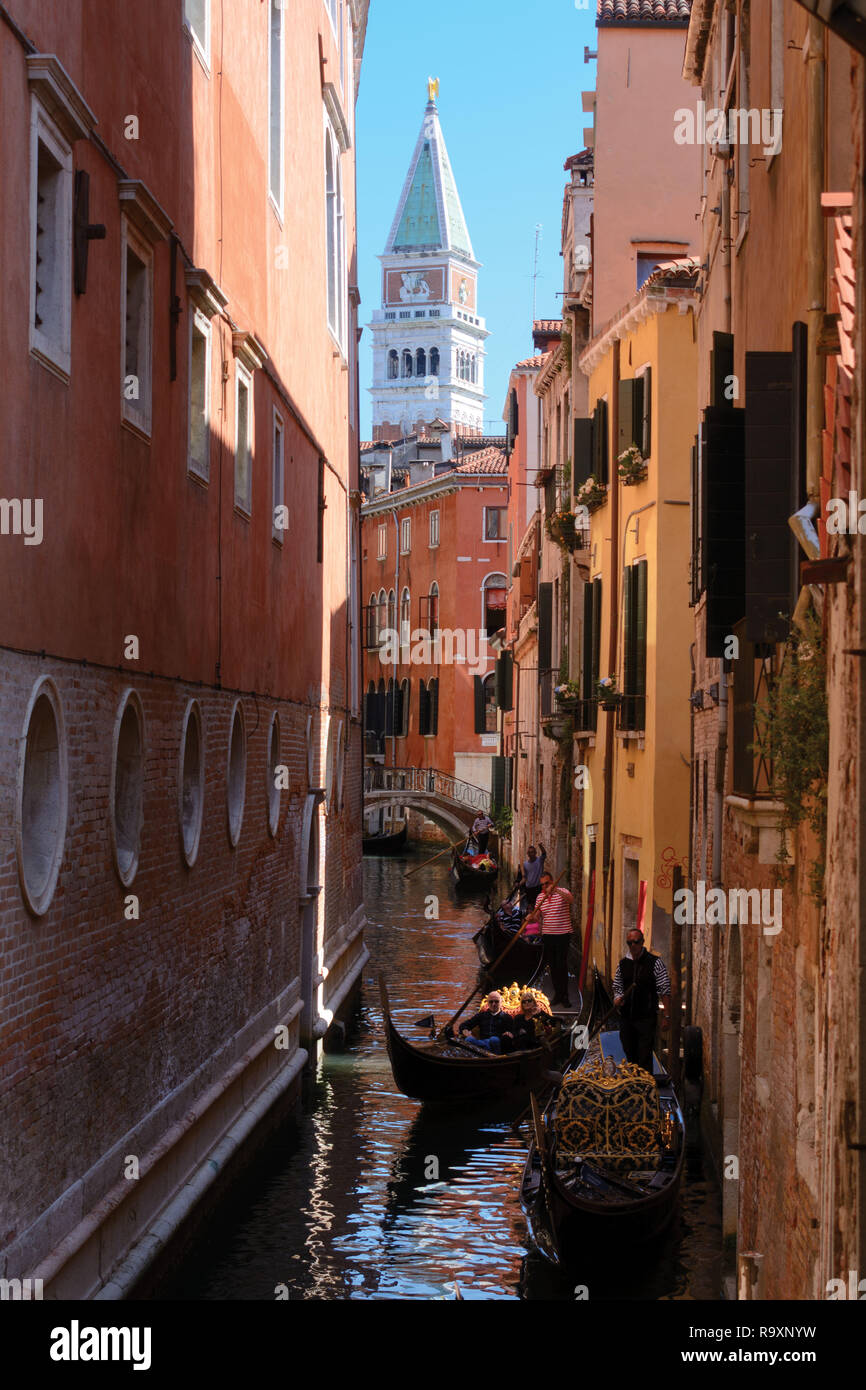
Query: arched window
[(420, 362), (474, 367), (382, 614), (393, 365), (407, 363), (370, 708), (493, 594), (461, 365), (392, 611), (434, 608), (489, 684), (405, 618), (405, 695), (434, 361), (372, 622)]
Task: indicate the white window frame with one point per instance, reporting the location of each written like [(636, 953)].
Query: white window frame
[(333, 7), (278, 428), (406, 531), (199, 321), (277, 202), (335, 209), (492, 540), (434, 529), (54, 352), (138, 413), (201, 42), (382, 541), (244, 379)]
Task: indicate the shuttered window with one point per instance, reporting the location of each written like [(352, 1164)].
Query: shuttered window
[(722, 384), (628, 425), (479, 704), (545, 626), (433, 691), (601, 467), (502, 771), (723, 523), (643, 407), (632, 713), (582, 462), (696, 583), (504, 681), (423, 708), (770, 493), (591, 637)]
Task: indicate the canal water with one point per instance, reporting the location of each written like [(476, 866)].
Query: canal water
[(365, 1195)]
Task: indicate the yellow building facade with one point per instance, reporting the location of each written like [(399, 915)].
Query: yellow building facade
[(632, 746)]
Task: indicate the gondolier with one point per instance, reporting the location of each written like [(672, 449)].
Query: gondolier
[(553, 911), (529, 876), (481, 828), (643, 975)]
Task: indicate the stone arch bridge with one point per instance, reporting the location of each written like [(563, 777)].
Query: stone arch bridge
[(452, 804)]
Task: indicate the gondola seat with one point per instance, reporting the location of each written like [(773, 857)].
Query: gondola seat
[(614, 1118)]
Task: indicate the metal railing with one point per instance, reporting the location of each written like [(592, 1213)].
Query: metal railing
[(427, 780)]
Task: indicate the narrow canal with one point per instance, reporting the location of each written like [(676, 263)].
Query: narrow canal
[(364, 1195)]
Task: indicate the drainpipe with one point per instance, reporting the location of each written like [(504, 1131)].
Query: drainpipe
[(816, 242), (609, 740)]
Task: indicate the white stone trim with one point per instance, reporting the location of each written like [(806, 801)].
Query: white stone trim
[(49, 81), (38, 903)]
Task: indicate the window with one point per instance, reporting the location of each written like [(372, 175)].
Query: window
[(275, 100), (42, 798), (405, 696), (428, 708), (50, 242), (405, 535), (434, 361), (382, 615), (393, 365), (485, 704), (372, 638), (382, 541), (199, 396), (127, 787), (273, 791), (243, 441), (494, 593), (494, 523), (236, 774), (334, 239), (136, 297), (407, 363), (434, 609), (434, 528), (197, 16), (191, 782), (405, 618), (632, 710), (392, 611), (278, 479), (420, 362), (333, 8)]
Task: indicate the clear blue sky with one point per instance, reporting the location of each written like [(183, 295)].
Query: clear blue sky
[(511, 76)]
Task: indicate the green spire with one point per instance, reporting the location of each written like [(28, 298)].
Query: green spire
[(429, 215)]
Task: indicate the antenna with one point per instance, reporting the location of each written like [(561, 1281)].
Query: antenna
[(538, 230)]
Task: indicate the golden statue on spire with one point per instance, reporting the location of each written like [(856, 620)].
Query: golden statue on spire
[(432, 88)]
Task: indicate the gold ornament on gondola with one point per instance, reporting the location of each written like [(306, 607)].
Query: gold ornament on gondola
[(511, 995)]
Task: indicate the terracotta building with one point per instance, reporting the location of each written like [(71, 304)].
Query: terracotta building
[(180, 735)]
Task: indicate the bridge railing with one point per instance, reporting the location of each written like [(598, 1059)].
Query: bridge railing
[(429, 780)]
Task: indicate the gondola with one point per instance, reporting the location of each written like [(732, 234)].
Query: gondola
[(473, 870), (606, 1158), (523, 957), (453, 1073), (385, 844)]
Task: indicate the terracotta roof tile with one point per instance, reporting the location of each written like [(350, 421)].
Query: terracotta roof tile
[(673, 270), (547, 326), (492, 460), (537, 361), (643, 12)]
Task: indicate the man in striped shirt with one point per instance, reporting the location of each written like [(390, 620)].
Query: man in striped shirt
[(553, 910), (640, 984)]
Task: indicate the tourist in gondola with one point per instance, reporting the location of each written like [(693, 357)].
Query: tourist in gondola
[(529, 876), (481, 828), (553, 911), (640, 985), (531, 1027), (493, 1024)]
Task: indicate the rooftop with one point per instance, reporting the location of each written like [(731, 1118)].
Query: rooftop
[(642, 13)]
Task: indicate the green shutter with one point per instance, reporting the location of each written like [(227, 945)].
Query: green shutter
[(640, 573), (545, 625), (504, 681), (769, 468), (628, 631), (626, 430), (582, 463), (596, 632), (646, 432), (600, 467), (497, 795), (479, 705), (434, 705), (423, 708)]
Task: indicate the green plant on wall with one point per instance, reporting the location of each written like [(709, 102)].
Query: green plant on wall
[(503, 819), (566, 473), (793, 729)]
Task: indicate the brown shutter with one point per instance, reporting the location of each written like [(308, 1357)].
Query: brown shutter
[(723, 523), (582, 462), (769, 471)]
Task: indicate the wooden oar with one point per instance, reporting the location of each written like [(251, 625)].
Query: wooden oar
[(488, 974), (417, 867)]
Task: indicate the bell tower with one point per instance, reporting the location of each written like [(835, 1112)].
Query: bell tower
[(428, 337)]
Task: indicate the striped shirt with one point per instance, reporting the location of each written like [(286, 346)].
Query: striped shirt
[(663, 984), (555, 912)]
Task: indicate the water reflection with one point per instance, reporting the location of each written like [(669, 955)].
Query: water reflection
[(368, 1195)]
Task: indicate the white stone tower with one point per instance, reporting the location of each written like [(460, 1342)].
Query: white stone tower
[(428, 339)]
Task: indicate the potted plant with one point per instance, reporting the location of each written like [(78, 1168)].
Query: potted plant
[(608, 695), (591, 494), (567, 694), (631, 466), (560, 527)]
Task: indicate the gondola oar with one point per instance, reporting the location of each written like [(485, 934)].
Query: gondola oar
[(489, 973), (432, 860), (488, 910)]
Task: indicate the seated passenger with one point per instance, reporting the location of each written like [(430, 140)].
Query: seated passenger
[(531, 1026), (493, 1023)]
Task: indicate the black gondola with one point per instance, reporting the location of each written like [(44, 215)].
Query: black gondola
[(392, 843), (472, 875), (524, 952), (622, 1189), (453, 1073)]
